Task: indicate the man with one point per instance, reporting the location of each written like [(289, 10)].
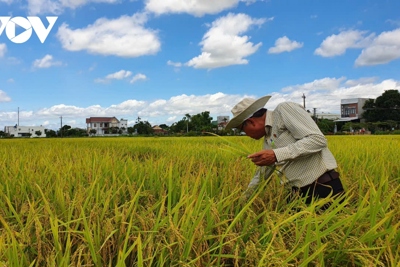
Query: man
[(293, 143)]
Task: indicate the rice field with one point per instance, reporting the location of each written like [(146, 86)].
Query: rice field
[(176, 201)]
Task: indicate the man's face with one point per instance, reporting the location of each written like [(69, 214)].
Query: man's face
[(254, 127)]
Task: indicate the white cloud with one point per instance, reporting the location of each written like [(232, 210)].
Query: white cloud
[(171, 119), (383, 49), (123, 37), (316, 85), (11, 117), (4, 97), (3, 50), (361, 81), (138, 77), (223, 45), (178, 106), (194, 7), (159, 110), (323, 94), (57, 7), (46, 62), (394, 22), (283, 44), (249, 2), (175, 64), (119, 75), (126, 107), (337, 44), (6, 1)]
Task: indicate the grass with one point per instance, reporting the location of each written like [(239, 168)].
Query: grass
[(177, 202)]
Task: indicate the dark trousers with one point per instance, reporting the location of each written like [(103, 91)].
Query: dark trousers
[(327, 184)]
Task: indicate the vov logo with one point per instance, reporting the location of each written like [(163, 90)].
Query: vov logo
[(10, 25)]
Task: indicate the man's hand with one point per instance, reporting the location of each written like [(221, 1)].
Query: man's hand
[(264, 157)]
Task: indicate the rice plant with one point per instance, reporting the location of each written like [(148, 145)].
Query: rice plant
[(176, 201)]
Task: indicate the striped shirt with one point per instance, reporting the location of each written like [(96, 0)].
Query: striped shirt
[(299, 146)]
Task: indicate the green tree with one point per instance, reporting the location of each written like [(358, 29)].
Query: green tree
[(114, 130), (64, 130), (143, 127), (50, 133), (326, 126), (164, 127), (131, 130), (188, 117), (76, 132), (179, 126), (38, 133), (385, 107), (202, 122)]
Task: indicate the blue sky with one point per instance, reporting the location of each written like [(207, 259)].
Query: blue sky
[(161, 59)]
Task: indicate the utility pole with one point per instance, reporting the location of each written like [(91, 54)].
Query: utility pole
[(304, 101), (61, 132), (18, 117)]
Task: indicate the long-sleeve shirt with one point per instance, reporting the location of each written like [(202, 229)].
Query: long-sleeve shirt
[(299, 146)]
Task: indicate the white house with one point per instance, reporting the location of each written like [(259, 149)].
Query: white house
[(102, 125), (25, 131)]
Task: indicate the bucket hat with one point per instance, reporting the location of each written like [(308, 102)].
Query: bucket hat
[(245, 109)]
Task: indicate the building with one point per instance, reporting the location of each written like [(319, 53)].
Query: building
[(105, 125), (328, 116), (221, 122), (221, 119), (351, 109), (25, 131), (158, 130)]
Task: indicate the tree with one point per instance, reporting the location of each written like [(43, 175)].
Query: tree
[(50, 133), (385, 107), (143, 127), (63, 131), (188, 117), (370, 114), (164, 126), (326, 126), (114, 130), (131, 130), (179, 127), (38, 133), (202, 122), (93, 131)]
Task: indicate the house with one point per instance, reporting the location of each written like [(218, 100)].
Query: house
[(351, 109), (158, 130), (221, 122), (25, 131), (106, 125)]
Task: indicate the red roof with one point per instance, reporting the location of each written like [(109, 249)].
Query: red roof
[(100, 119)]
